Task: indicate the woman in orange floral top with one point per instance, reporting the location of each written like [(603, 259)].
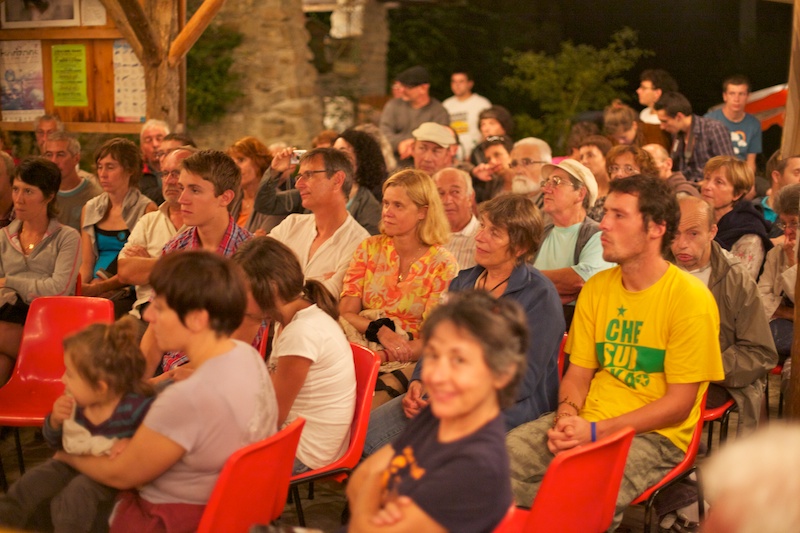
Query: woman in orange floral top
[(404, 270)]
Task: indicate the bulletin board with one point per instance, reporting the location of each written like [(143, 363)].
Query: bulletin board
[(66, 57)]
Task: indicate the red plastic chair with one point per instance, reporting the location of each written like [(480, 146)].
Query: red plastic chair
[(722, 415), (561, 357), (253, 484), (578, 493), (367, 364), (681, 471), (36, 381)]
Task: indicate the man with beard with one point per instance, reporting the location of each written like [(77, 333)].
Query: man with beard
[(527, 158), (571, 252)]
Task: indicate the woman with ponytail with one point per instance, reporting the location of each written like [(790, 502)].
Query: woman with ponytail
[(311, 360)]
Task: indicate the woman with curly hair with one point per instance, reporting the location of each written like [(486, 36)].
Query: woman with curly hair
[(253, 159)]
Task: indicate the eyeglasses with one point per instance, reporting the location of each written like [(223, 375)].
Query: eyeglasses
[(525, 162), (308, 174), (555, 181), (783, 226), (627, 169)]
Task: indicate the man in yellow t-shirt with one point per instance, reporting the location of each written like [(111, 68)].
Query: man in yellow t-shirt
[(643, 346)]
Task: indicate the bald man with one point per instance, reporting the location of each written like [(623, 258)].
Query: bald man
[(748, 351)]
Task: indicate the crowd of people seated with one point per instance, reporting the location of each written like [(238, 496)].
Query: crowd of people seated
[(468, 261)]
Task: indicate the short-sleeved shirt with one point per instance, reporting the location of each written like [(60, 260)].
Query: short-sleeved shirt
[(226, 404), (462, 485), (327, 398), (642, 341), (373, 278), (558, 251), (71, 202), (152, 232), (333, 256), (745, 134)]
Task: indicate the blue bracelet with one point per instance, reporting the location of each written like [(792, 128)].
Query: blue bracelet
[(594, 431)]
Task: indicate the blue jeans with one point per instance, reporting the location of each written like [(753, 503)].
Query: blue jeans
[(385, 424), (299, 467)]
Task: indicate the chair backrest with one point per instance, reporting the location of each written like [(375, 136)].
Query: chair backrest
[(50, 319), (561, 357), (579, 490), (688, 459), (367, 364), (254, 483)]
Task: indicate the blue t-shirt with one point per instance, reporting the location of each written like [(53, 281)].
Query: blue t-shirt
[(745, 134)]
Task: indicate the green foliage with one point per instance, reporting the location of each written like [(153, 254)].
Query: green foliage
[(578, 78), (211, 87)]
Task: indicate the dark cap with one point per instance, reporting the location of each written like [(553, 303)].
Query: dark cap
[(411, 77), (501, 115)]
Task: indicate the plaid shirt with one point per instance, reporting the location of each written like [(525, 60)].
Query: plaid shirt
[(708, 138), (189, 239)]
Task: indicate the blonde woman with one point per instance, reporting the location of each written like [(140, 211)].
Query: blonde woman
[(403, 271)]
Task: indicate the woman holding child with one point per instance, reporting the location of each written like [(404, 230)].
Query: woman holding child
[(194, 425)]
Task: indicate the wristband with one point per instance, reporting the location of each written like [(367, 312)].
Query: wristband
[(372, 330), (594, 431)]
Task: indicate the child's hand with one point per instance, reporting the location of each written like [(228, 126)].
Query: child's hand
[(117, 448), (62, 409)]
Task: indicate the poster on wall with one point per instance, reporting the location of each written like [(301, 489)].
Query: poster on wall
[(40, 13), (130, 97), (22, 82), (69, 75)]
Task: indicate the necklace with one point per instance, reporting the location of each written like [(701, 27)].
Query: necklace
[(486, 278), (401, 274), (28, 248)]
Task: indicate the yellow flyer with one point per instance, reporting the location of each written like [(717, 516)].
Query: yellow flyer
[(69, 75)]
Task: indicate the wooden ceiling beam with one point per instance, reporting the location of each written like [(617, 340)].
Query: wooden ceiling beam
[(193, 30)]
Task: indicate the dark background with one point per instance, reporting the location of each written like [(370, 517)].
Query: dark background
[(697, 41)]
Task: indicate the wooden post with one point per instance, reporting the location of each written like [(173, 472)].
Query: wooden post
[(150, 28), (791, 145), (163, 80)]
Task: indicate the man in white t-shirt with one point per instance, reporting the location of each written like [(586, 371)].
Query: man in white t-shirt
[(464, 107), (152, 232), (324, 241), (653, 83)]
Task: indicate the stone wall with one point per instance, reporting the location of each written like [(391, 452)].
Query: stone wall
[(281, 101)]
